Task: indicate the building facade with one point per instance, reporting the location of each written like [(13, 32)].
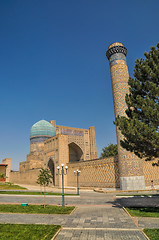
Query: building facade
[(52, 145), (130, 166)]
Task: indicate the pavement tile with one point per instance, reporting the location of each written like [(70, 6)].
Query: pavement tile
[(98, 213)]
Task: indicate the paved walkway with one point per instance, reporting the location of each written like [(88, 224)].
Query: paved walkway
[(99, 234), (97, 216), (82, 217), (85, 223)]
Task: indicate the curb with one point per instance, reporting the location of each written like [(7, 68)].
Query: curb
[(145, 235), (56, 233), (134, 219), (73, 210), (128, 191), (136, 223)]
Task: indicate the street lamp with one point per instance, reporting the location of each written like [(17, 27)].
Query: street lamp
[(77, 174), (62, 174)]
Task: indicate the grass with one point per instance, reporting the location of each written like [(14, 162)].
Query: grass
[(33, 193), (27, 231), (153, 234), (36, 209), (143, 211), (10, 186)]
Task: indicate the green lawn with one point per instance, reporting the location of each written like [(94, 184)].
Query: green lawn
[(143, 211), (33, 193), (27, 231), (36, 209), (153, 234), (10, 186)]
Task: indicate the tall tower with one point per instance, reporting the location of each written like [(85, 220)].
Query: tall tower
[(92, 142), (130, 166)]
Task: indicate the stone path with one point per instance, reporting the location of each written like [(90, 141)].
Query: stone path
[(99, 234), (83, 199), (82, 217), (148, 222), (85, 223), (97, 216)]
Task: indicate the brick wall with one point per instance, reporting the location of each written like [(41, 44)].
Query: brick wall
[(95, 173), (151, 173), (27, 177)]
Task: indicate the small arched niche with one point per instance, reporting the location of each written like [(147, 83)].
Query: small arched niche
[(75, 152), (51, 166)]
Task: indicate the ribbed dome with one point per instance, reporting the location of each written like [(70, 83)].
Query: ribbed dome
[(42, 128)]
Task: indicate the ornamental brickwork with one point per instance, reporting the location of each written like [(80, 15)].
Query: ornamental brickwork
[(151, 173), (129, 164), (95, 173)]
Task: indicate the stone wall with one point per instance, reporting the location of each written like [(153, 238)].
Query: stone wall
[(27, 177), (102, 173), (151, 173), (95, 173), (8, 169)]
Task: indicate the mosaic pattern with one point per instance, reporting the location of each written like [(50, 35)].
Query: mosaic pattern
[(151, 173), (129, 164), (42, 128)]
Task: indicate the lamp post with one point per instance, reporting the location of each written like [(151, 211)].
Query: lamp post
[(62, 174), (77, 174)]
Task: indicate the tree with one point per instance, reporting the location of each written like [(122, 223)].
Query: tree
[(140, 127), (44, 179), (110, 150), (2, 175)]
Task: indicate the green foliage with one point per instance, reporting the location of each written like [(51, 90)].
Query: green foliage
[(141, 126), (153, 234), (27, 231), (35, 209), (143, 211), (2, 175), (110, 150), (45, 177)]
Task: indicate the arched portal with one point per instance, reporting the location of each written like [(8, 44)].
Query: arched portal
[(52, 169), (75, 152)]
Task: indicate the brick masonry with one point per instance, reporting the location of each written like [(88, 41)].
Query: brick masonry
[(95, 173), (129, 164)]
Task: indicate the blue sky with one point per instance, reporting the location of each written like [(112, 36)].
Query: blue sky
[(53, 64)]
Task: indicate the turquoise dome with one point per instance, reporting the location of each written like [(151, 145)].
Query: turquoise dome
[(42, 128)]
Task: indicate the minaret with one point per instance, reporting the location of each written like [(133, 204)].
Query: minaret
[(130, 166), (92, 142)]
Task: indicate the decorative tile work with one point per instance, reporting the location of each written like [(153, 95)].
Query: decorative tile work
[(129, 164), (150, 173), (95, 173)]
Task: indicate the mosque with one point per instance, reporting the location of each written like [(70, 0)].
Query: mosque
[(52, 145)]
